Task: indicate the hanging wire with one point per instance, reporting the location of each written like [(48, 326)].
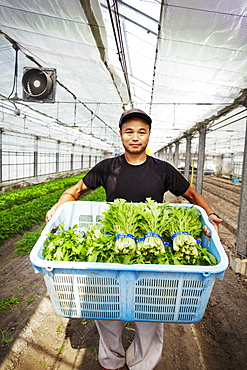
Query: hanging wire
[(115, 21), (174, 114), (14, 88), (16, 47), (91, 122), (75, 106), (163, 7)]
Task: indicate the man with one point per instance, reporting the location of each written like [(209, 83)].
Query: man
[(134, 176)]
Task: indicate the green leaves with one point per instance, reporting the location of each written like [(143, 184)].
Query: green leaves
[(9, 303), (184, 219), (154, 221), (98, 195), (26, 243), (23, 208), (4, 339), (131, 233), (121, 220), (65, 245), (185, 228), (21, 196), (22, 217)]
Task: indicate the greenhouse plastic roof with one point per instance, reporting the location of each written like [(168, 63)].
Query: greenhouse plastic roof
[(181, 62)]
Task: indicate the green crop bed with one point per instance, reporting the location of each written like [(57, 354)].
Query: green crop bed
[(22, 209)]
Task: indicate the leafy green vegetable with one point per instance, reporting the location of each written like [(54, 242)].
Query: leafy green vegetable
[(4, 339), (154, 221), (174, 239), (22, 217), (26, 243), (65, 245), (185, 227), (62, 349), (98, 195), (121, 220), (8, 303), (21, 196), (100, 246), (22, 212)]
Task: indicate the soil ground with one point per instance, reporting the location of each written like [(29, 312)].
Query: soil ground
[(43, 340)]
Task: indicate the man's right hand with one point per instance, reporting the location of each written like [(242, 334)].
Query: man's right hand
[(70, 194), (50, 213)]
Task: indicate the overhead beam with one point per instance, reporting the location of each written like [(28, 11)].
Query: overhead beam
[(141, 25), (241, 100), (100, 40)]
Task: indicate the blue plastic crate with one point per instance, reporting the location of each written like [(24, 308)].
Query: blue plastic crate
[(160, 293)]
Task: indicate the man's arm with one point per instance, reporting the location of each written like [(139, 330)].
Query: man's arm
[(70, 194), (195, 198)]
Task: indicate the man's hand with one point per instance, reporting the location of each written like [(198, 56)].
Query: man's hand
[(50, 213), (70, 194), (195, 198), (215, 220), (206, 231)]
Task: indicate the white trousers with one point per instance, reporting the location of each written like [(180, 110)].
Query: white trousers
[(144, 353)]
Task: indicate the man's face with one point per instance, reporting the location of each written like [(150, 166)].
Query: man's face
[(135, 135)]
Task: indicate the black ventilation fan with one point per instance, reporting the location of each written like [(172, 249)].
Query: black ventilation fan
[(39, 84)]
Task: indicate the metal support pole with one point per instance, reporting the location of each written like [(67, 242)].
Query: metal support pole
[(170, 154), (35, 157), (187, 157), (165, 153), (1, 155), (232, 165), (57, 156), (241, 242), (201, 158), (81, 161), (82, 158), (72, 158), (176, 154)]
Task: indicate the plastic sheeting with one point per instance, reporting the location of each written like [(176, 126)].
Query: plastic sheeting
[(185, 62), (201, 59)]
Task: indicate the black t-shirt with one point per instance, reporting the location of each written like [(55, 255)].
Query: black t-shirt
[(150, 179)]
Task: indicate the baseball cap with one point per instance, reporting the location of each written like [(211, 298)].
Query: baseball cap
[(134, 113)]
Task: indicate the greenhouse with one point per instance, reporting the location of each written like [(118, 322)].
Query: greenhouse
[(68, 72)]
